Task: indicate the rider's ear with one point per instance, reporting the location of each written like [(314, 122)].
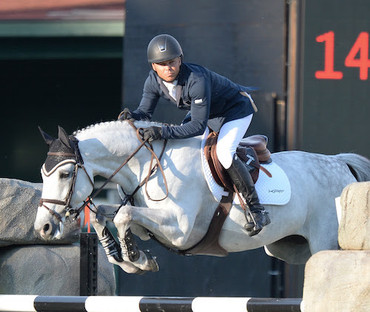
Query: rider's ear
[(47, 138), (63, 136)]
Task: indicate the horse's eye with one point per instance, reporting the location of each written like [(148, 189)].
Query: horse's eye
[(64, 175)]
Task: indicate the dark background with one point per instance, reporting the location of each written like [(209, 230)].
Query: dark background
[(72, 93)]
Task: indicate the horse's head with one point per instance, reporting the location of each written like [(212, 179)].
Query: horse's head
[(66, 184)]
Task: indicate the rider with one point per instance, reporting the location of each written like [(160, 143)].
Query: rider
[(212, 100)]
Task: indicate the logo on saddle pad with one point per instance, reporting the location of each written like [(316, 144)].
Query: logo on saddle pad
[(272, 184)]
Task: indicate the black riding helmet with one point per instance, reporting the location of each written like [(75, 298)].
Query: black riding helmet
[(163, 48)]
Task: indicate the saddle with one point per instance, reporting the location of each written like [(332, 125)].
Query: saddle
[(252, 150)]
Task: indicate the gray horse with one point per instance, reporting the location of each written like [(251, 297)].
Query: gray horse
[(306, 224)]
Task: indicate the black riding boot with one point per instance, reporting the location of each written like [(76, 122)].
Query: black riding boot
[(242, 179)]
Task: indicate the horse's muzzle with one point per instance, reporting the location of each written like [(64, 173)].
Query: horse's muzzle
[(48, 230)]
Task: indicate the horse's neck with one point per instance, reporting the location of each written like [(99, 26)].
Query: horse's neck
[(104, 147)]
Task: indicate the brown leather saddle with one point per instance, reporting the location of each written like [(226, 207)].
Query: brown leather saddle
[(252, 150)]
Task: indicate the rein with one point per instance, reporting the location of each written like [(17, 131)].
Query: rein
[(149, 147), (78, 161)]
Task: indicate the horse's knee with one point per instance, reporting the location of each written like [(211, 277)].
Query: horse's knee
[(97, 223), (93, 218), (122, 217)]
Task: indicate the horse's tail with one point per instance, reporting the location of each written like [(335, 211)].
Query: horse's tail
[(359, 165)]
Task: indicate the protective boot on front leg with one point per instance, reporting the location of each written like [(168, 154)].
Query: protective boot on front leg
[(132, 251), (111, 247), (143, 260)]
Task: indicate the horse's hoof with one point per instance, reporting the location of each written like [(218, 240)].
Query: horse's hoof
[(139, 272), (153, 265)]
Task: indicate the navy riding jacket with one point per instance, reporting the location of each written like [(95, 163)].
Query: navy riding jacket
[(211, 98)]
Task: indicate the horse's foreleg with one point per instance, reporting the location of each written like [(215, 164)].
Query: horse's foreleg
[(170, 224), (111, 247), (129, 250)]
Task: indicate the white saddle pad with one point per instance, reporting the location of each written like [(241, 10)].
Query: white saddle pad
[(271, 191)]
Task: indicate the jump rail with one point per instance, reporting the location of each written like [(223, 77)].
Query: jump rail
[(31, 303)]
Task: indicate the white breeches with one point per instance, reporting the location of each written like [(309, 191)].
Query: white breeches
[(229, 137)]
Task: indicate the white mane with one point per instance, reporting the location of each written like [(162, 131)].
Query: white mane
[(116, 126), (117, 136)]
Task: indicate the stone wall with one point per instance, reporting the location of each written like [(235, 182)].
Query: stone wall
[(18, 207), (28, 265), (51, 270), (340, 280)]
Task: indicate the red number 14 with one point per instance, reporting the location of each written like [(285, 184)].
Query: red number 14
[(358, 56)]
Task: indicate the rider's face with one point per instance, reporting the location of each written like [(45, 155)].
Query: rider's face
[(168, 70)]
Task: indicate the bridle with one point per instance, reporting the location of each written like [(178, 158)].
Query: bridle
[(78, 162)]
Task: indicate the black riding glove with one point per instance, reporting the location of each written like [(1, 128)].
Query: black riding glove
[(126, 115), (151, 133)]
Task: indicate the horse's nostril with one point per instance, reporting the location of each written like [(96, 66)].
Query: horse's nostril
[(46, 228)]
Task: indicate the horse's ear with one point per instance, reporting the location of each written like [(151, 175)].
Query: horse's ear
[(47, 138), (63, 136)]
